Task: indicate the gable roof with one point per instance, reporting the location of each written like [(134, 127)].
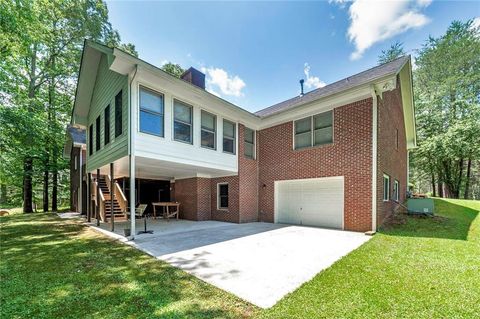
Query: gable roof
[(350, 82)]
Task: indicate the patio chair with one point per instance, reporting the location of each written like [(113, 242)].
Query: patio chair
[(140, 213)]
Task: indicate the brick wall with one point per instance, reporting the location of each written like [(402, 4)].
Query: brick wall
[(232, 214), (194, 196), (350, 156), (248, 181), (390, 159)]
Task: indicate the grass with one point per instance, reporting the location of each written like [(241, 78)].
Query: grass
[(414, 268), (52, 268)]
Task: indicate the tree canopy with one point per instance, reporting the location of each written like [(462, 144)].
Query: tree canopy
[(394, 52), (173, 69)]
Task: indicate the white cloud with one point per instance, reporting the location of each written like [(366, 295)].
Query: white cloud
[(312, 81), (163, 62), (374, 21), (476, 22), (217, 78)]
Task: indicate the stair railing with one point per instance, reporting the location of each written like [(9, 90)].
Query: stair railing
[(120, 197), (101, 199)]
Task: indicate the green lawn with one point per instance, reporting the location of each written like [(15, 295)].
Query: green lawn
[(415, 268), (425, 268)]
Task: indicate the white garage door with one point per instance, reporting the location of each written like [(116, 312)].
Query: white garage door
[(311, 202)]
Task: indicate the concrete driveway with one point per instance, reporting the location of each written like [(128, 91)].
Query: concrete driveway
[(259, 262)]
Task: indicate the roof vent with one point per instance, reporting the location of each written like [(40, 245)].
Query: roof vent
[(195, 77), (301, 87)]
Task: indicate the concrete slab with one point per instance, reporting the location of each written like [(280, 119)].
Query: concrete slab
[(259, 262)]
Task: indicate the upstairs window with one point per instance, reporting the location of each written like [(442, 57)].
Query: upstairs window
[(229, 137), (90, 140), (222, 200), (396, 195), (182, 122), (386, 188), (97, 134), (314, 130), (151, 112), (249, 143), (209, 125), (118, 114), (106, 125)]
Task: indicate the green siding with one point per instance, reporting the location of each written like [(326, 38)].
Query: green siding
[(107, 85)]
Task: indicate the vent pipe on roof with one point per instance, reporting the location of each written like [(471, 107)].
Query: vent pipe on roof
[(301, 87)]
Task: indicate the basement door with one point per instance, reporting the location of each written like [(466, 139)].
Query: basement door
[(310, 202)]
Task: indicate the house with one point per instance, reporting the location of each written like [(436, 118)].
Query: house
[(334, 157)]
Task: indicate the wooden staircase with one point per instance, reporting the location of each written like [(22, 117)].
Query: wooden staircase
[(117, 210)]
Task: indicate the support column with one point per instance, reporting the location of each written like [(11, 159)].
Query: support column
[(89, 197), (97, 197), (112, 194), (80, 187), (132, 197)]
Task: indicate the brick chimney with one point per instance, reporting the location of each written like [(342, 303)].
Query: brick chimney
[(195, 77)]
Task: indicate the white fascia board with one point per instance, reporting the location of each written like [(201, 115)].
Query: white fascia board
[(124, 63)]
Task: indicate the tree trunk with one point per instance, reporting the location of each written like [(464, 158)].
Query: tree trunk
[(467, 181), (45, 186), (440, 189), (3, 194), (55, 181), (433, 186), (27, 185)]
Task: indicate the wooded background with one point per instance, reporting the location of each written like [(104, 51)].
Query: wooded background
[(40, 49)]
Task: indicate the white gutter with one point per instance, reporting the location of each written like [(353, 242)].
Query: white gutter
[(132, 156), (374, 157)]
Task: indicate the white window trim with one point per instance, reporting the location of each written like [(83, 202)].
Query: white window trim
[(385, 176), (235, 133), (254, 155), (396, 189), (312, 131), (146, 88), (214, 132), (190, 124), (218, 196)]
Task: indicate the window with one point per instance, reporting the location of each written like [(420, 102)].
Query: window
[(118, 114), (249, 143), (396, 195), (106, 125), (90, 140), (209, 125), (151, 112), (97, 134), (182, 122), (322, 128), (396, 138), (222, 200), (386, 188), (314, 130), (228, 137)]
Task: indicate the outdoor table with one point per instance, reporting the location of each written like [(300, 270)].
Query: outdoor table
[(166, 209)]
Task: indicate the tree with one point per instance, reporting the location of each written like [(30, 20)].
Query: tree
[(40, 46), (394, 52), (173, 69), (447, 91)]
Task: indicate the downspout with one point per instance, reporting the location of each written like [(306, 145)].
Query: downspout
[(80, 187), (374, 157), (131, 147)]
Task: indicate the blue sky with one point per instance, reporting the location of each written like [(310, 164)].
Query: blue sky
[(254, 53)]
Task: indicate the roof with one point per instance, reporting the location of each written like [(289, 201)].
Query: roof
[(77, 134), (350, 82)]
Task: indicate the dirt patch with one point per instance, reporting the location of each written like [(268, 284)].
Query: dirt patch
[(394, 220)]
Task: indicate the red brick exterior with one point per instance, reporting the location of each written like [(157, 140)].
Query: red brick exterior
[(194, 196), (251, 192), (391, 160), (350, 156)]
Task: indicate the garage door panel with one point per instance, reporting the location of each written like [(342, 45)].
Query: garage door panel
[(312, 202)]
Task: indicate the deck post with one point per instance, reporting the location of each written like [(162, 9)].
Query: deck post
[(112, 194), (132, 197), (89, 197), (97, 198)]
